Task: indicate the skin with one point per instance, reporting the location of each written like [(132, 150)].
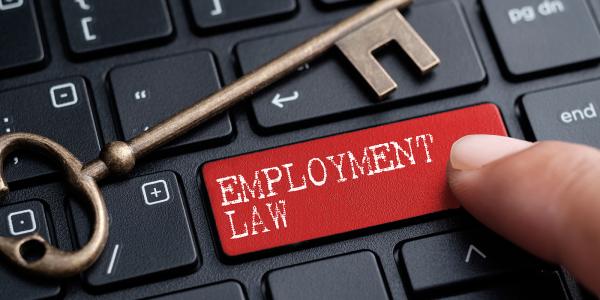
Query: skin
[(544, 197)]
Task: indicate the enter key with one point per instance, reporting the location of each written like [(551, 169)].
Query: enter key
[(569, 113)]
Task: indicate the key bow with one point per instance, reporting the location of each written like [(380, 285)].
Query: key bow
[(49, 260)]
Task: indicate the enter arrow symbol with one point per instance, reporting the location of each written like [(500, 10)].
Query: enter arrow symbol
[(472, 249), (278, 100)]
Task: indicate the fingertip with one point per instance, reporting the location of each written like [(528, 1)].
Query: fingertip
[(474, 151), (469, 154), (543, 197)]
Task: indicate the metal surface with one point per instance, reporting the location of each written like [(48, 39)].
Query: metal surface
[(359, 45), (55, 262), (119, 157)]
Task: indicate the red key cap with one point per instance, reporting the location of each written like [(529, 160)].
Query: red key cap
[(340, 183)]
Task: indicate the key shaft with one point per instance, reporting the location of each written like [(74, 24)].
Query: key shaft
[(120, 157)]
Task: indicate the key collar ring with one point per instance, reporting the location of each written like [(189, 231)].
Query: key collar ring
[(53, 262)]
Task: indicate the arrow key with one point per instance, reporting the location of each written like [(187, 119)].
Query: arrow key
[(437, 262)]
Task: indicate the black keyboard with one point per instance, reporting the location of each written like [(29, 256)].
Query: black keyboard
[(87, 72)]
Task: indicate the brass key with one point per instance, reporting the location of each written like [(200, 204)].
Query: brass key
[(357, 37)]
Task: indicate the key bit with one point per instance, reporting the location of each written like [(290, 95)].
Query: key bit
[(359, 45)]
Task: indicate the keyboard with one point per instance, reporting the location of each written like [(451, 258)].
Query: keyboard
[(311, 190)]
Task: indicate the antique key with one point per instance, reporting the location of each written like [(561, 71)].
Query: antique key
[(357, 37)]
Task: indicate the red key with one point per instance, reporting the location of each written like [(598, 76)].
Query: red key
[(340, 183)]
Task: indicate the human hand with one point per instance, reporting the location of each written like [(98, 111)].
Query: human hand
[(544, 197)]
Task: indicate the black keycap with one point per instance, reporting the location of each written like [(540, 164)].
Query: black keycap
[(460, 257), (149, 231), (94, 25), (59, 110), (539, 35), (210, 14), (352, 276), (18, 220), (230, 290), (331, 86), (544, 286), (568, 113), (150, 92), (19, 35)]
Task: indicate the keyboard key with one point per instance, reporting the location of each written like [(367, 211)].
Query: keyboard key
[(329, 86), (210, 14), (355, 180), (226, 290), (60, 110), (544, 286), (539, 35), (149, 231), (352, 276), (567, 113), (460, 257), (21, 38), (95, 25), (21, 219), (145, 94)]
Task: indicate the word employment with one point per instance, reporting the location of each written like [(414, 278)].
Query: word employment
[(267, 188)]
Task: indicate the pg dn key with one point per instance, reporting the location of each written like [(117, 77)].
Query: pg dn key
[(536, 36)]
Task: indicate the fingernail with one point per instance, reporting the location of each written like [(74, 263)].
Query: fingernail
[(474, 151)]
